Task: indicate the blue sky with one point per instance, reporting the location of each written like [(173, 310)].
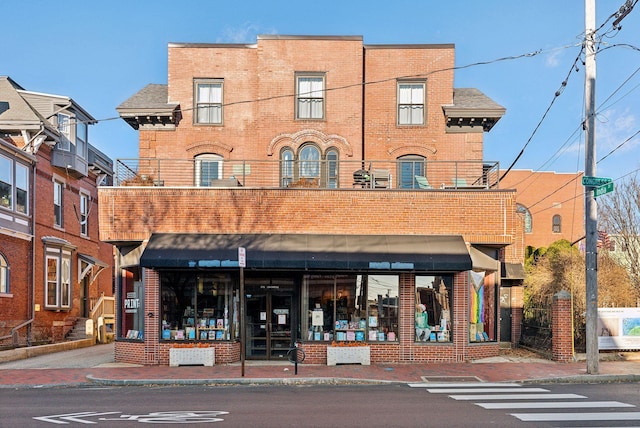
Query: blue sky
[(101, 53)]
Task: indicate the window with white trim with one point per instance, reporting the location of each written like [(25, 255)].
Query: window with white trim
[(64, 126), (286, 167), (4, 275), (411, 103), (556, 224), (82, 137), (208, 101), (84, 214), (58, 278), (310, 96), (208, 167), (58, 191)]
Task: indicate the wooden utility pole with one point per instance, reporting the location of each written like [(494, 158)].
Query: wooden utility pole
[(591, 209)]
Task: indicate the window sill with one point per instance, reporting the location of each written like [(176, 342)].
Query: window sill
[(7, 295)]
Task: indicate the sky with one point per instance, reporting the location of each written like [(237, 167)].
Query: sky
[(518, 53)]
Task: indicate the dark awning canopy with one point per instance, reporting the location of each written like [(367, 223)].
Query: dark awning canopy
[(513, 271), (308, 251)]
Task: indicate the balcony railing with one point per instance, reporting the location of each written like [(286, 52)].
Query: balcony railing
[(324, 174)]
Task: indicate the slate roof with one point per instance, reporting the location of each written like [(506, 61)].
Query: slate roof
[(474, 99), (152, 96)]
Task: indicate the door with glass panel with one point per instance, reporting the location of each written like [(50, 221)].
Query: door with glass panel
[(268, 324)]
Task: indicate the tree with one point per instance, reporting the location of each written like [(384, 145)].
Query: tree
[(619, 215)]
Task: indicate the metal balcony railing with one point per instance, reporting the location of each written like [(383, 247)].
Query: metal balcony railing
[(323, 174)]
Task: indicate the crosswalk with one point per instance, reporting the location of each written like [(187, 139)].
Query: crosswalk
[(516, 398)]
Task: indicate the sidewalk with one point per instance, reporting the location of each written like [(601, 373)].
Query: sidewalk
[(67, 370)]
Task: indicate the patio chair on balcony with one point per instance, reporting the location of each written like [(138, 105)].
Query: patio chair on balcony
[(423, 183), (381, 179)]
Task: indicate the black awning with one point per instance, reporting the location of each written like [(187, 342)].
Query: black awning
[(481, 261), (308, 251), (513, 271)]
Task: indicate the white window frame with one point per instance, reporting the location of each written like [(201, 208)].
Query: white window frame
[(208, 99), (58, 203), (200, 160), (85, 200), (411, 102), (310, 91), (4, 275), (82, 138), (57, 273), (64, 126)]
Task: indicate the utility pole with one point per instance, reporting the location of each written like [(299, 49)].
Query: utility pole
[(591, 210)]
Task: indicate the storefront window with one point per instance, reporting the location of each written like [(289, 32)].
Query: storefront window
[(197, 307), (351, 307), (132, 305), (482, 307), (433, 314)]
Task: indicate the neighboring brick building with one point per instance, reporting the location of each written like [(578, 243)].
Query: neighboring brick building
[(52, 265), (551, 205), (353, 177)]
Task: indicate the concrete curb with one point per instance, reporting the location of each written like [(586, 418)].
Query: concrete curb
[(586, 379), (241, 381)]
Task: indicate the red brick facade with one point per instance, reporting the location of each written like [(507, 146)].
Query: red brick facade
[(360, 122)]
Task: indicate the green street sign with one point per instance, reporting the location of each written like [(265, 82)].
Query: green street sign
[(603, 190), (595, 181)]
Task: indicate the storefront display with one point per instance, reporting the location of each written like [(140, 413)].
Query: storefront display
[(433, 308)]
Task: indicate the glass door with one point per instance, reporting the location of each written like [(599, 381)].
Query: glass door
[(268, 324)]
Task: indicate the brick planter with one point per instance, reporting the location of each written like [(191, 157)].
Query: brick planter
[(191, 356), (348, 355)]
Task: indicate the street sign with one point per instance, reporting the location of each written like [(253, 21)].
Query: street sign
[(595, 181), (242, 257), (603, 190)]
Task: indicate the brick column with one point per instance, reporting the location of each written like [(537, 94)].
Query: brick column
[(562, 333)]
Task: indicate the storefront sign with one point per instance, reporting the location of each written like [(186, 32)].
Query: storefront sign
[(131, 303), (618, 328)]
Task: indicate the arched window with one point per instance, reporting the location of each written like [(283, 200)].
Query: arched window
[(408, 167), (557, 224), (4, 275), (332, 169), (528, 222), (286, 167), (208, 167), (309, 161)]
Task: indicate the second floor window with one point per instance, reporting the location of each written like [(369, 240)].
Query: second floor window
[(64, 126), (408, 168), (557, 224), (411, 105), (58, 188), (4, 275), (528, 224), (208, 95), (84, 214), (309, 97), (58, 275), (208, 168)]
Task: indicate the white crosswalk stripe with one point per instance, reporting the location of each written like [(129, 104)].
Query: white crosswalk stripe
[(512, 396)]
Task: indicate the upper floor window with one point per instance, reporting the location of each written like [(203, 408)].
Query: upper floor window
[(528, 223), (286, 167), (82, 137), (64, 126), (208, 168), (208, 95), (557, 224), (409, 167), (84, 214), (309, 167), (4, 275), (58, 190), (310, 96), (14, 185), (58, 278), (411, 103)]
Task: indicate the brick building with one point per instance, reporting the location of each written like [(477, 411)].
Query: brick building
[(352, 176), (551, 205), (53, 267)]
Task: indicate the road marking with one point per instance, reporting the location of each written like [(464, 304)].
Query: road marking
[(65, 418), (462, 384), (553, 405), (492, 390), (564, 417), (516, 397)]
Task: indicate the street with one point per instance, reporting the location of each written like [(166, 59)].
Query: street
[(398, 405)]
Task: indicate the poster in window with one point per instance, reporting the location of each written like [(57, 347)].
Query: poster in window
[(317, 318)]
